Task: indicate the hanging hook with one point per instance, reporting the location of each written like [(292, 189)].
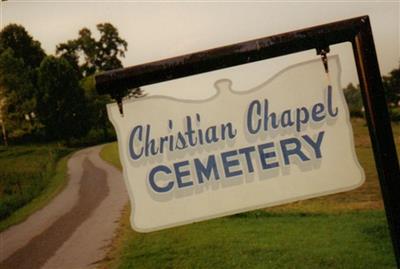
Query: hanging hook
[(118, 97), (119, 103), (324, 58), (325, 61)]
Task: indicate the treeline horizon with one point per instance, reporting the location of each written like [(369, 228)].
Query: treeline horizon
[(391, 87), (52, 98)]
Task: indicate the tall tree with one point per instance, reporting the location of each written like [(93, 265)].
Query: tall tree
[(17, 95), (20, 56), (70, 53), (91, 55), (61, 101), (24, 46), (97, 107), (354, 101), (391, 84), (109, 48)]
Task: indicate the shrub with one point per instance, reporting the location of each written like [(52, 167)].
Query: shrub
[(26, 172), (395, 113)]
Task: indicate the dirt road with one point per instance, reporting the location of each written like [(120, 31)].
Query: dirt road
[(74, 229)]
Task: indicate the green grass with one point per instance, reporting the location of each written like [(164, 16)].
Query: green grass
[(110, 153), (30, 177), (265, 240), (346, 230)]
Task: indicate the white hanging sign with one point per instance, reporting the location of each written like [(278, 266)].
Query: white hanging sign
[(285, 140)]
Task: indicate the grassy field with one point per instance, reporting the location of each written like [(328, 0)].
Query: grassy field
[(29, 177), (346, 230)]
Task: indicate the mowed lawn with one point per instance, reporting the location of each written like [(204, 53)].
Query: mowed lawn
[(29, 177), (346, 230)]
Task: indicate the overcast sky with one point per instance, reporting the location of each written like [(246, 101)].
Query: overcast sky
[(157, 30)]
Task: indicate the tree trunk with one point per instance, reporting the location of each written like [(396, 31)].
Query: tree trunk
[(3, 129), (105, 132)]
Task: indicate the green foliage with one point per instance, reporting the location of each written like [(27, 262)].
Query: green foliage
[(57, 181), (61, 102), (24, 46), (354, 100), (97, 109), (89, 55), (69, 53), (18, 94), (41, 97), (395, 113), (20, 55), (98, 55), (26, 172), (109, 48), (391, 84)]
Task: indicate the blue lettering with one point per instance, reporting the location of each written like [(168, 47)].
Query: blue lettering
[(230, 163), (266, 155), (316, 111), (315, 145), (151, 147), (267, 117), (138, 130), (331, 111), (180, 174), (211, 167), (231, 131), (246, 152), (286, 119), (294, 151), (302, 117), (211, 135), (250, 113), (152, 181)]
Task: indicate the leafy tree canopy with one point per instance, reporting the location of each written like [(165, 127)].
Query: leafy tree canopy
[(88, 55), (354, 101), (391, 85), (15, 37), (17, 95), (61, 102)]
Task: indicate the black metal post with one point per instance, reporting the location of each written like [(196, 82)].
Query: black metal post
[(380, 129)]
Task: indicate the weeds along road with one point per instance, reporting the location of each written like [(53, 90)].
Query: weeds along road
[(75, 228)]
